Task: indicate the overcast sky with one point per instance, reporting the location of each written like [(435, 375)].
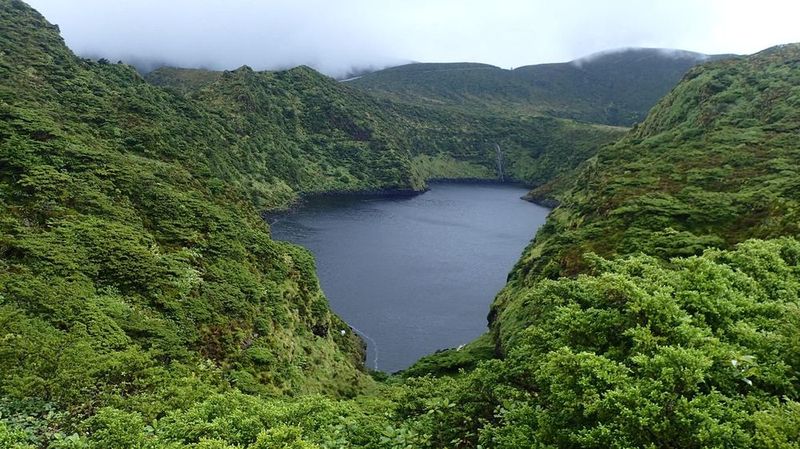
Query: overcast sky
[(336, 35)]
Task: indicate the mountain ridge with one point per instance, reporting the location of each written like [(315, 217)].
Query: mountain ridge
[(144, 305), (615, 87), (441, 143)]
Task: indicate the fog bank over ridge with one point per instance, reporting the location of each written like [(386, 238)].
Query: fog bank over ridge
[(340, 37)]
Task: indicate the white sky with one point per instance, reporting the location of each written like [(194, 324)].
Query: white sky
[(335, 35)]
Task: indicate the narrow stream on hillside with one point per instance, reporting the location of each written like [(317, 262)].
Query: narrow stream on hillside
[(413, 275)]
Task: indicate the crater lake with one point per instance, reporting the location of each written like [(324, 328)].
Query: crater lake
[(416, 274)]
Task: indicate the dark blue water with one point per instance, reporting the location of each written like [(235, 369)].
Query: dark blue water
[(414, 275)]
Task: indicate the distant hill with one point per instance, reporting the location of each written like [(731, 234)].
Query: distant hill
[(614, 88), (144, 304), (183, 80), (441, 142)]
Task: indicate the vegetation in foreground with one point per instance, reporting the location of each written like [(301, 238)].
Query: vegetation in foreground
[(700, 352), (143, 304)]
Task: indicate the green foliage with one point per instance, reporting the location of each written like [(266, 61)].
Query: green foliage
[(133, 260), (144, 305), (114, 428), (616, 88), (337, 131), (13, 438), (641, 352)]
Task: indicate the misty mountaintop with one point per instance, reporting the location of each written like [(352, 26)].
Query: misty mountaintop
[(617, 87)]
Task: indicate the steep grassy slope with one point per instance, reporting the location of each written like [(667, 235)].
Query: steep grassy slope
[(714, 163), (130, 254), (339, 140), (615, 88), (441, 143), (143, 304)]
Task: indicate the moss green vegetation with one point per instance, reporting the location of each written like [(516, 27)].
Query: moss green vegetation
[(349, 126), (132, 254), (533, 150), (445, 166), (713, 164), (183, 80), (702, 352), (453, 360), (616, 88), (143, 304)]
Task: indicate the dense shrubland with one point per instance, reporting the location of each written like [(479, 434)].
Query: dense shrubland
[(144, 305), (701, 352), (613, 88), (350, 128), (130, 247)]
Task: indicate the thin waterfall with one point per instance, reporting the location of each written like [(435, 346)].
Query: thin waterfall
[(374, 345), (499, 162)]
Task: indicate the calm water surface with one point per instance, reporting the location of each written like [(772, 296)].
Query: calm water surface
[(414, 275)]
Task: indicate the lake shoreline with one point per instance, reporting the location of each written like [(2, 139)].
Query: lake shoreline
[(412, 274), (270, 215)]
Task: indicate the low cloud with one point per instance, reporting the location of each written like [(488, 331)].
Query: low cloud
[(340, 37)]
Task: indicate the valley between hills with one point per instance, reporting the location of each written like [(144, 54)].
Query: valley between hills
[(144, 303)]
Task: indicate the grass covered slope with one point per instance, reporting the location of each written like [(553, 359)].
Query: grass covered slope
[(143, 304), (714, 164), (337, 131), (310, 132), (131, 258), (532, 150), (702, 352), (614, 88)]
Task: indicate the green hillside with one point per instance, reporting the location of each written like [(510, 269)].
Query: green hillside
[(614, 88), (143, 304), (712, 165), (308, 131), (132, 253), (449, 144)]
